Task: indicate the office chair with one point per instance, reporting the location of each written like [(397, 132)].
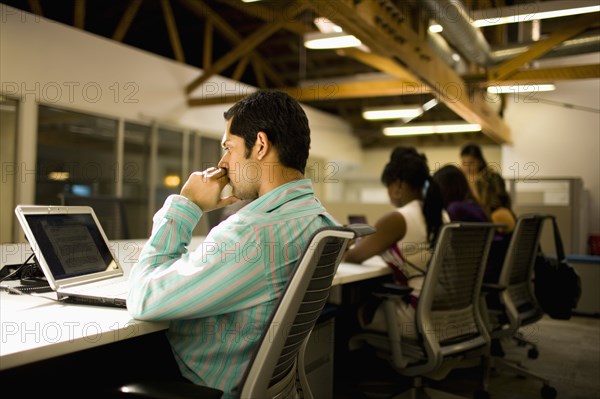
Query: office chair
[(110, 211), (511, 303), (277, 369), (450, 328)]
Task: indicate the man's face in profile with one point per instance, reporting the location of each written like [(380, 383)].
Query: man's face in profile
[(244, 173)]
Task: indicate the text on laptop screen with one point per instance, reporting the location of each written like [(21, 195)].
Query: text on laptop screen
[(72, 244)]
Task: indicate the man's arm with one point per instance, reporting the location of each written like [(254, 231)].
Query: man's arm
[(223, 275), (168, 282)]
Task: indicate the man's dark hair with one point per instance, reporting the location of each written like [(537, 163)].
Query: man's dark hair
[(408, 166), (453, 184), (280, 117)]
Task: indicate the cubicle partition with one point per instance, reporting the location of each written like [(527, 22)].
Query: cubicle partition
[(563, 197)]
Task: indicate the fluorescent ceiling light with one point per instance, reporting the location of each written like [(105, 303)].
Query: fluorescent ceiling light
[(320, 41), (431, 128), (392, 112), (326, 26), (430, 104), (528, 13), (518, 89), (532, 16), (435, 28)]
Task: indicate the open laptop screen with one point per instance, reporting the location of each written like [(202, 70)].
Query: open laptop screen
[(71, 244), (357, 219)]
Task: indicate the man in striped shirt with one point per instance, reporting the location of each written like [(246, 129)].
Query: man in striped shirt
[(218, 297)]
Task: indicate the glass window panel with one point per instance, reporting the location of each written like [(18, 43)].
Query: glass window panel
[(10, 171), (210, 153), (169, 165), (136, 172), (76, 155), (194, 154), (76, 165)]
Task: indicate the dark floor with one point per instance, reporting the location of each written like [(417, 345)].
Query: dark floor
[(569, 357)]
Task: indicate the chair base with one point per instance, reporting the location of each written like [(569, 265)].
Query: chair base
[(533, 352), (547, 391), (502, 364)]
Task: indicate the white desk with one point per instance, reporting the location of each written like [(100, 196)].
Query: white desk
[(37, 328), (352, 272)]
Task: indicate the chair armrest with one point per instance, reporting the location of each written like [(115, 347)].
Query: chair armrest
[(492, 288), (361, 229), (390, 290)]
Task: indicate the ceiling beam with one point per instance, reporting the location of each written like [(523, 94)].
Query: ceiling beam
[(201, 10), (36, 7), (172, 30), (208, 44), (383, 28), (380, 63), (260, 76), (240, 68), (331, 91), (243, 48), (542, 47), (268, 14), (545, 75), (126, 20), (79, 14), (336, 91)]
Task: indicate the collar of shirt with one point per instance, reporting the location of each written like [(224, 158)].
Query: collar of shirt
[(281, 195)]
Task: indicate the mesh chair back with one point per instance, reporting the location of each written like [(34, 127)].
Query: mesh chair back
[(296, 314), (448, 310), (517, 271)]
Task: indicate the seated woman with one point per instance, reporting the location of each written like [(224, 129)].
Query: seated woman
[(491, 192), (458, 199), (404, 237), (488, 186)]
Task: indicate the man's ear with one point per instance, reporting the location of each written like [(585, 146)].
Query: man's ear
[(263, 145)]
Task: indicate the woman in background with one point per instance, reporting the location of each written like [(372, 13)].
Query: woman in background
[(489, 188), (492, 194), (457, 196), (405, 236)]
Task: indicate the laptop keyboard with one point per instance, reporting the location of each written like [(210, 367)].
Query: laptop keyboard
[(108, 288)]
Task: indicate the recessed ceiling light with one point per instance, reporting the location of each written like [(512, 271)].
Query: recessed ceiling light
[(518, 89), (431, 128), (392, 112), (322, 41)]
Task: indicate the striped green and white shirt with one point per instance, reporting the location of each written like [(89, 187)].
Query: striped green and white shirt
[(218, 297)]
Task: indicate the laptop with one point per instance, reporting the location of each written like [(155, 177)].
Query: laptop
[(352, 219), (74, 254)]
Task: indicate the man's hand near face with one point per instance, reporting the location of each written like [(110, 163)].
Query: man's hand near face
[(204, 189)]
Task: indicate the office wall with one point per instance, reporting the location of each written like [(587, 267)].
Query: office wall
[(558, 133), (362, 184), (46, 62), (437, 157)]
